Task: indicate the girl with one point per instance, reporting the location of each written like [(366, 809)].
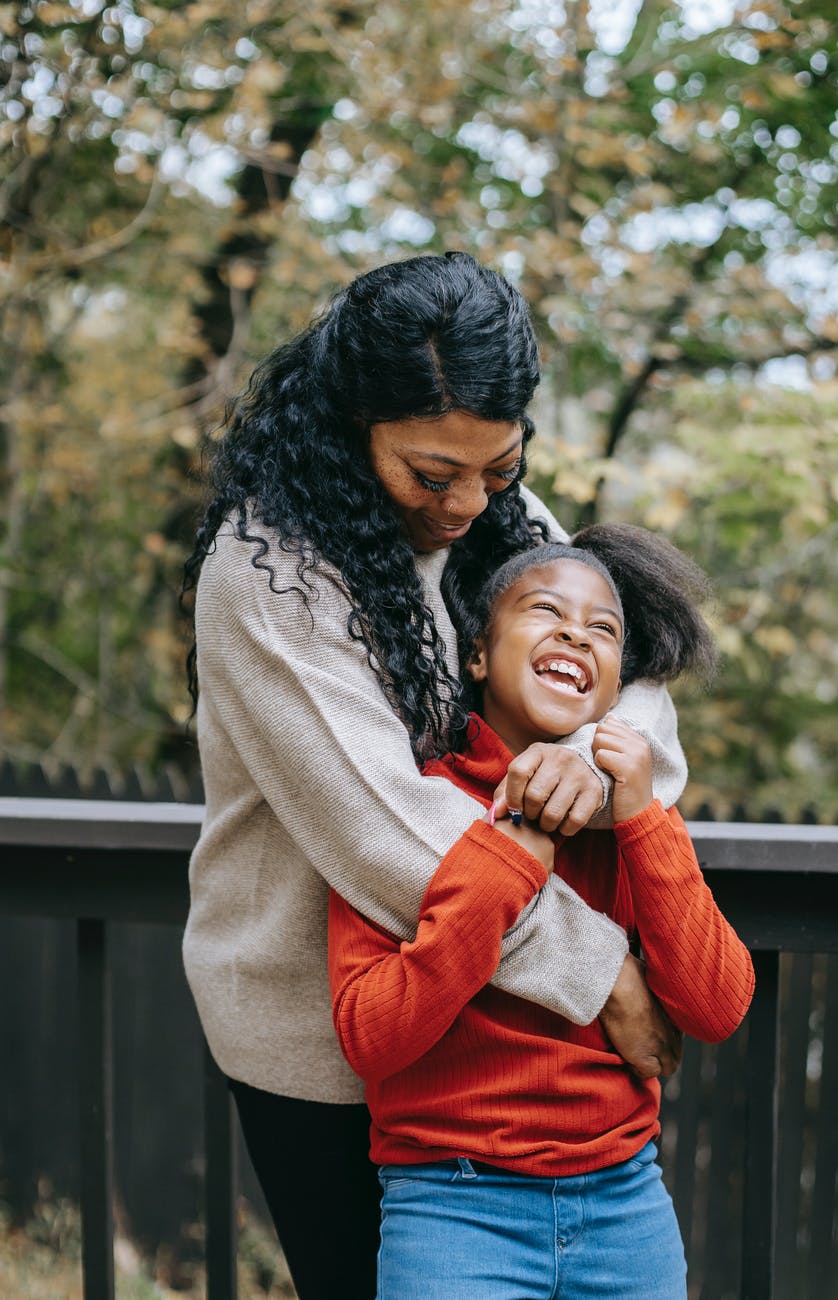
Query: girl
[(516, 1148), (385, 439)]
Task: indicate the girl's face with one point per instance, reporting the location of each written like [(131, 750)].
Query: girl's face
[(550, 658), (440, 473)]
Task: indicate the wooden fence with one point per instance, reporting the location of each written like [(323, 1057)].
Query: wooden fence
[(100, 1042)]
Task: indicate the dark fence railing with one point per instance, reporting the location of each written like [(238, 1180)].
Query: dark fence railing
[(178, 783), (100, 864)]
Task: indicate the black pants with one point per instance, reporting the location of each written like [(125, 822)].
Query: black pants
[(312, 1160)]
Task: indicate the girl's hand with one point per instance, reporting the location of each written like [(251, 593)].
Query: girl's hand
[(552, 786), (528, 836), (627, 756)]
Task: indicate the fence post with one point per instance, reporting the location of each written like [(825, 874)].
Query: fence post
[(761, 1117), (824, 1251), (95, 1109)]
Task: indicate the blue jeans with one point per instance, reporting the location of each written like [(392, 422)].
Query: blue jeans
[(459, 1231)]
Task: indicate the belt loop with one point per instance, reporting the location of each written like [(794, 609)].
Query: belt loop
[(467, 1169)]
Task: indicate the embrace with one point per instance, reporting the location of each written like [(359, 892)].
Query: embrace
[(446, 926)]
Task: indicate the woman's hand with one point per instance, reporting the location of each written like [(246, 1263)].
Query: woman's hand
[(528, 836), (552, 786), (637, 1026), (627, 756)]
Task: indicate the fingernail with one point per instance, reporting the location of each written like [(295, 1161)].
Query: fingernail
[(491, 814)]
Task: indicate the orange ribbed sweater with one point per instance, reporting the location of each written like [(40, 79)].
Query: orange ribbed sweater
[(455, 1067)]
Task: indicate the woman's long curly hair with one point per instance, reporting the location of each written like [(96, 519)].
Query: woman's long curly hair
[(413, 339)]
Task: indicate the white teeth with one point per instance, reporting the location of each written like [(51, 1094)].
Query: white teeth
[(564, 666)]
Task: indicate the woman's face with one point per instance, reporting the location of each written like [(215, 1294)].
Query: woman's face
[(440, 473), (550, 660)]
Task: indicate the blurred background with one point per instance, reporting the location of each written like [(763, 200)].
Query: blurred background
[(182, 186)]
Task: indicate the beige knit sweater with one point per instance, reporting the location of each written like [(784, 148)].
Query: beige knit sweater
[(310, 782)]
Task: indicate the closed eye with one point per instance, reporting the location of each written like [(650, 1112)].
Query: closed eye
[(508, 475), (431, 484), (443, 485), (609, 628)]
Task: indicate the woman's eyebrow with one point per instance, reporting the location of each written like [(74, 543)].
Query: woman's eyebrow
[(458, 464)]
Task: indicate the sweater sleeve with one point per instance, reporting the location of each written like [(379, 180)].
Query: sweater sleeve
[(695, 963), (647, 706), (295, 699), (391, 1001)]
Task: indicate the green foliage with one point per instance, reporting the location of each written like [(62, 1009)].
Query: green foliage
[(763, 519), (116, 353), (181, 185), (640, 196), (745, 479)]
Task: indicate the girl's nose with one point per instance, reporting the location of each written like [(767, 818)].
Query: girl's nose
[(573, 634)]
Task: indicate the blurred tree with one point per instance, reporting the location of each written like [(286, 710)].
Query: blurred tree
[(747, 483), (146, 154), (661, 184), (181, 184)]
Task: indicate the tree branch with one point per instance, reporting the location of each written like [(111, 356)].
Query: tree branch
[(628, 399), (638, 67), (817, 343), (110, 243), (85, 685)]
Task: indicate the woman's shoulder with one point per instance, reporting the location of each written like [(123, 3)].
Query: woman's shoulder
[(244, 572), (536, 509)]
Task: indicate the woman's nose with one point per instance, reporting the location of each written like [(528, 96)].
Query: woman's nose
[(466, 501)]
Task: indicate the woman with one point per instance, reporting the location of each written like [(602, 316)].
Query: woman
[(385, 439)]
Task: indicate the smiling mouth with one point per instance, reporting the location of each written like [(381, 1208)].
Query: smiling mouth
[(437, 526), (563, 675)]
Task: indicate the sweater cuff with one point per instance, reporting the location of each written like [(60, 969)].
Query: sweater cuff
[(580, 743), (647, 822), (500, 846), (487, 879)]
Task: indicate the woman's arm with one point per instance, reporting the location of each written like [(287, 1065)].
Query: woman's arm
[(297, 701), (648, 709), (695, 962), (391, 1001)]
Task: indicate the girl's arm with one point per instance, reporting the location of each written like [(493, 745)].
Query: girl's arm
[(695, 963), (391, 1001), (295, 701)]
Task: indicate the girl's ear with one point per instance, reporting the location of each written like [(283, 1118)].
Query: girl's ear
[(476, 663)]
